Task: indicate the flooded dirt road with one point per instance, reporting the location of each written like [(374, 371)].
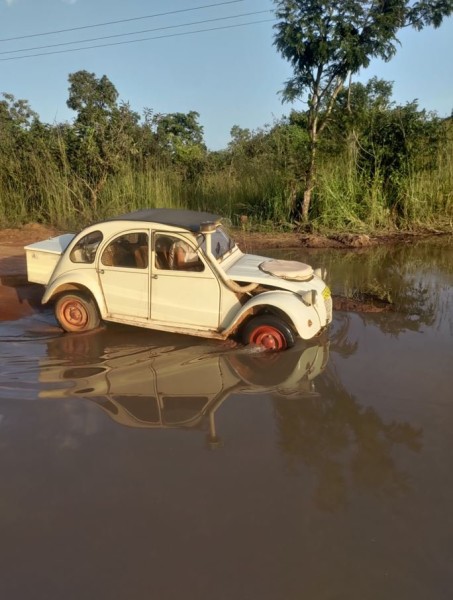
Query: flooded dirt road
[(142, 465)]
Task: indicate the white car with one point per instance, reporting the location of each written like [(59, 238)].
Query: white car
[(178, 271)]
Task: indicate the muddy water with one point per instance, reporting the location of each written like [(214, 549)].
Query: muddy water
[(141, 465)]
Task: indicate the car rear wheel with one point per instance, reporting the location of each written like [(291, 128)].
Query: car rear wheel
[(76, 312), (269, 332)]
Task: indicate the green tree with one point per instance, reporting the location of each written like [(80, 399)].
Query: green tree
[(239, 137), (94, 99), (326, 41), (104, 132), (179, 138), (18, 123), (15, 113), (383, 139), (16, 120)]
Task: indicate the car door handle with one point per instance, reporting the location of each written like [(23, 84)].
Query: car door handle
[(101, 271)]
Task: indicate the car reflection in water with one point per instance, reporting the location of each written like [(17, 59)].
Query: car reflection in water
[(173, 386)]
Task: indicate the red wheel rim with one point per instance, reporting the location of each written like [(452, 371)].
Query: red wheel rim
[(268, 337), (74, 314)]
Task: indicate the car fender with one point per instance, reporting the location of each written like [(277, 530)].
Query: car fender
[(304, 318), (79, 280)]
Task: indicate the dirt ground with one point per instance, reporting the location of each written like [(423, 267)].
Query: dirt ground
[(34, 232), (18, 298)]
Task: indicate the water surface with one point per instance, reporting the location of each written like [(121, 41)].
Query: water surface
[(136, 464)]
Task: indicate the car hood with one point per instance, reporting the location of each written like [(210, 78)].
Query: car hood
[(246, 270)]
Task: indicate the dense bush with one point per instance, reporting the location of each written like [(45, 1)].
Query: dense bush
[(380, 165)]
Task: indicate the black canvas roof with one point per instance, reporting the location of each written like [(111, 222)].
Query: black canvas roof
[(186, 219)]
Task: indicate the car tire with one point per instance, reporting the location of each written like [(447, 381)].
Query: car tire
[(76, 312), (269, 332)]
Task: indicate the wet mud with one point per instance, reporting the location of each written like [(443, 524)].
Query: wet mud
[(18, 298)]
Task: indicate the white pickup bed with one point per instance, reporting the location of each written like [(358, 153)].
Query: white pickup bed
[(42, 257)]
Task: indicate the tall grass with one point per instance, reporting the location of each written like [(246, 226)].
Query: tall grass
[(259, 196), (347, 198), (39, 185), (427, 195)]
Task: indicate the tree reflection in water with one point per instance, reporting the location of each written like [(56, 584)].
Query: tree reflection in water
[(415, 279), (346, 445)]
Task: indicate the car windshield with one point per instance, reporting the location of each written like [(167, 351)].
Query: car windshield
[(221, 243)]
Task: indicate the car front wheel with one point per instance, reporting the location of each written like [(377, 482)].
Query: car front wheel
[(269, 332), (76, 312)]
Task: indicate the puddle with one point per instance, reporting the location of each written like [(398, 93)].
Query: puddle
[(141, 464)]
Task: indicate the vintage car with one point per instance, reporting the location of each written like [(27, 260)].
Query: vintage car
[(179, 271)]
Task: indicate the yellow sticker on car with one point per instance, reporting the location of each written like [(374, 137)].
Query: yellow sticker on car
[(326, 293)]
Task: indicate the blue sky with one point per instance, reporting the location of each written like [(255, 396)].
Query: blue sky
[(231, 76)]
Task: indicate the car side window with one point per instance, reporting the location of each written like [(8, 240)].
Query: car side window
[(180, 409), (144, 409), (129, 250), (175, 254), (85, 249)]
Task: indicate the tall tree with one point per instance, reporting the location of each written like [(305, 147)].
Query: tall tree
[(91, 97), (179, 137), (16, 113), (103, 134), (328, 40)]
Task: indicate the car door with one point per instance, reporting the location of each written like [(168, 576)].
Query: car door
[(186, 295), (123, 267)]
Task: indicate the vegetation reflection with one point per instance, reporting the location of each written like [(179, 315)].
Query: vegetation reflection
[(344, 444), (400, 288)]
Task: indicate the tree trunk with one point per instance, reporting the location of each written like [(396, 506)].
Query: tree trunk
[(317, 121), (310, 175)]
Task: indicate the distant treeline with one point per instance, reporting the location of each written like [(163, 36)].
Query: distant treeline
[(380, 165)]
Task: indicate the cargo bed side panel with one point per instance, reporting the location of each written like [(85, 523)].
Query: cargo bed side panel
[(42, 257)]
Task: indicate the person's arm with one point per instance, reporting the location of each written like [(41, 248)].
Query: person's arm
[(180, 258)]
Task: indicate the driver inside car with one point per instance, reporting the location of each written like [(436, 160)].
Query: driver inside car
[(183, 257)]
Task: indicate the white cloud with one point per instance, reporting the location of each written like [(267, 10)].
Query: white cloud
[(10, 2)]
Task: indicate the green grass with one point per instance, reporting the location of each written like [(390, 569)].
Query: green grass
[(40, 185)]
